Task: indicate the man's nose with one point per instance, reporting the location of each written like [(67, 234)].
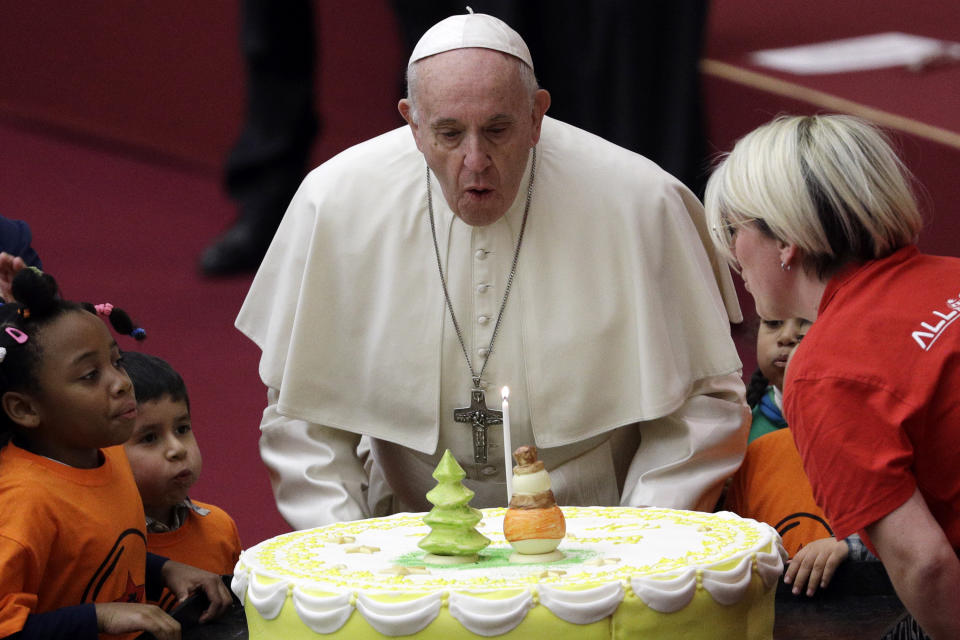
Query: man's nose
[(476, 155)]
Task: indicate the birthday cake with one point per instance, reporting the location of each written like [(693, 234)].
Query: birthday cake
[(625, 573)]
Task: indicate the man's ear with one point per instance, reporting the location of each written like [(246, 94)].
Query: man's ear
[(406, 110), (541, 102), (21, 409)]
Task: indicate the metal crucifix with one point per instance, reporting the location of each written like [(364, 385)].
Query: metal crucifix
[(480, 417)]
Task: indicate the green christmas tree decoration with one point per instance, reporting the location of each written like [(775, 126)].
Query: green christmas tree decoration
[(452, 536)]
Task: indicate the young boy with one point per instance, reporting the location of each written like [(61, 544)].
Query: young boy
[(166, 462), (771, 485)]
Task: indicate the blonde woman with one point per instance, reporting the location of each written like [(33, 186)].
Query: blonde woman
[(818, 215)]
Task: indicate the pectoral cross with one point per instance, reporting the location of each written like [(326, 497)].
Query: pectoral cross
[(480, 417)]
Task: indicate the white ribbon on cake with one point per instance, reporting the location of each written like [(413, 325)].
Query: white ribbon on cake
[(666, 595), (770, 564), (490, 617), (267, 598), (323, 614), (584, 606), (238, 584), (400, 618), (729, 586)]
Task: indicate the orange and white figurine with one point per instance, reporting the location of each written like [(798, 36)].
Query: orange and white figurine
[(533, 524)]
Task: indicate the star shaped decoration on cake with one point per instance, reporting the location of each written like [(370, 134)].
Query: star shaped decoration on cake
[(552, 573), (400, 570), (601, 562), (362, 549), (340, 539)]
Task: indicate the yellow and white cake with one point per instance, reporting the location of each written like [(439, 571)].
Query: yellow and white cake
[(626, 573)]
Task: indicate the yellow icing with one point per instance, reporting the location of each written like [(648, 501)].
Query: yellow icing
[(315, 565)]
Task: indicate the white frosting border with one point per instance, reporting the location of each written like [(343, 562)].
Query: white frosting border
[(486, 617), (492, 617)]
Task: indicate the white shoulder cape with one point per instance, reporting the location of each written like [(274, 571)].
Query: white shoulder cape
[(617, 287)]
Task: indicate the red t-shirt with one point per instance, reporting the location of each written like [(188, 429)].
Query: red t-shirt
[(872, 394)]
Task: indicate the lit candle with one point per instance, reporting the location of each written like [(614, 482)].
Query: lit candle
[(507, 449)]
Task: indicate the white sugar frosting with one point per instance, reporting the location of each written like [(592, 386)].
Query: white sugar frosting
[(400, 618), (322, 614), (373, 567), (583, 607), (486, 617)]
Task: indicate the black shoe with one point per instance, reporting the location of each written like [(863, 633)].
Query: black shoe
[(238, 250)]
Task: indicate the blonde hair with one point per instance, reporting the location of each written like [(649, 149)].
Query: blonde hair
[(830, 184)]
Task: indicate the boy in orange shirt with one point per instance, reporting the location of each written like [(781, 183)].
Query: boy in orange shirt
[(166, 463), (771, 485)]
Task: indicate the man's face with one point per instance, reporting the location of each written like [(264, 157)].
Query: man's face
[(475, 126)]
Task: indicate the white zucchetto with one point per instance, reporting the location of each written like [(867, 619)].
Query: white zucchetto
[(471, 30)]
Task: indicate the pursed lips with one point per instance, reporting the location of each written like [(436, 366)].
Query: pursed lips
[(183, 477), (128, 410)]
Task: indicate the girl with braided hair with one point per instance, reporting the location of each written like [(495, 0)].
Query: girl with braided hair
[(72, 539)]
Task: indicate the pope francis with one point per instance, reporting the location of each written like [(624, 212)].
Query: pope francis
[(485, 245)]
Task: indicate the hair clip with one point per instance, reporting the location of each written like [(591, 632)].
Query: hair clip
[(23, 312), (119, 319), (104, 309), (19, 336)]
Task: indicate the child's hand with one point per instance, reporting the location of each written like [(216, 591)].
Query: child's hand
[(815, 564), (182, 580), (125, 617)]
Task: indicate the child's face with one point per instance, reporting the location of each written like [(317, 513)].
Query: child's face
[(776, 340), (85, 399), (163, 455)]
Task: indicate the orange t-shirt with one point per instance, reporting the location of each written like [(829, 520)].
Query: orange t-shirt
[(210, 542), (68, 536), (771, 487)]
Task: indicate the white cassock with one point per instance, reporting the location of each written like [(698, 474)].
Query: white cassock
[(615, 341)]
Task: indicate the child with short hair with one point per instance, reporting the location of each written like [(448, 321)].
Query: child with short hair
[(166, 463), (771, 485), (72, 537)]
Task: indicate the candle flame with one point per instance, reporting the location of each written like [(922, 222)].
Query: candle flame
[(505, 393)]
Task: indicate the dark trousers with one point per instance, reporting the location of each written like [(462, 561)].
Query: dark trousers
[(268, 162)]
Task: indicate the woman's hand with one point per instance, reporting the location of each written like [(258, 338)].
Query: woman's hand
[(182, 580), (814, 565), (126, 617)]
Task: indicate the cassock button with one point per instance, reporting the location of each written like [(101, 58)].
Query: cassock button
[(488, 470), (482, 287), (483, 352), (483, 319), (481, 254)]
